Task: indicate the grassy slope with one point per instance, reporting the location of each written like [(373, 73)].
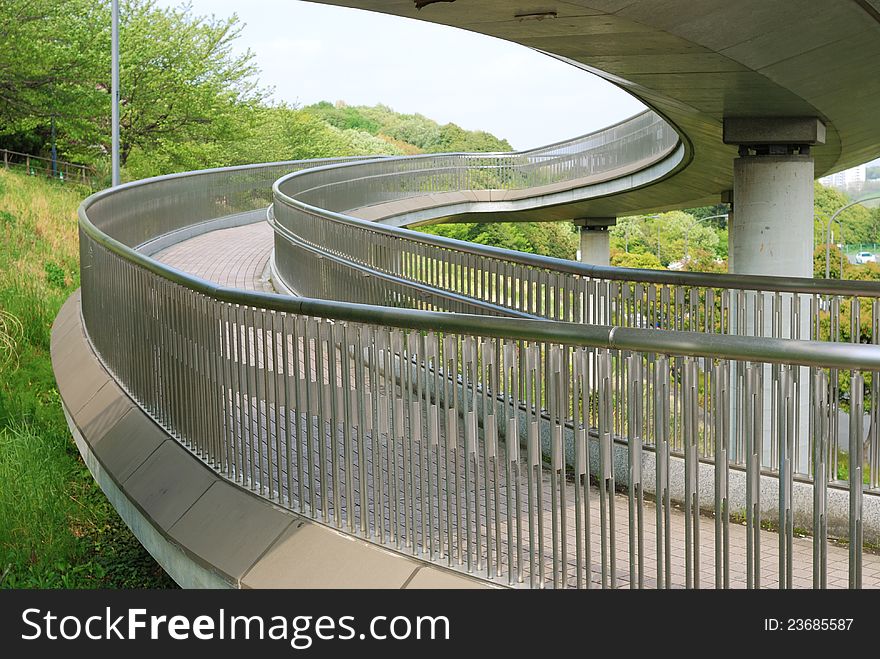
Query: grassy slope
[(56, 527)]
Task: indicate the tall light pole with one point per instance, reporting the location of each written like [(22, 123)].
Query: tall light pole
[(114, 93), (828, 232), (687, 232)]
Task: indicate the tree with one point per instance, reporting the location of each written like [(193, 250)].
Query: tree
[(643, 260), (631, 231), (48, 55), (179, 78), (857, 224), (556, 239)]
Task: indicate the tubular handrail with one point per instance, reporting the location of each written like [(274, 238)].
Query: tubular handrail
[(803, 285), (807, 353)]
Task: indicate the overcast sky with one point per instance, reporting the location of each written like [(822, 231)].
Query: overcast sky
[(310, 52)]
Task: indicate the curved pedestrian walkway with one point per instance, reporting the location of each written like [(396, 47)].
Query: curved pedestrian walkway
[(233, 257), (239, 257)]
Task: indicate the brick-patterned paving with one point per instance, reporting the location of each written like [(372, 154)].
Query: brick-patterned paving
[(233, 257), (238, 257)]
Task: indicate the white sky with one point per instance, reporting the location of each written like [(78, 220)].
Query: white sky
[(311, 52)]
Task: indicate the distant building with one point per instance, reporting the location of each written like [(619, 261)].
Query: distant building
[(848, 179)]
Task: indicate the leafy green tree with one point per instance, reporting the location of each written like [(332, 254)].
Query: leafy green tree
[(556, 239), (642, 260), (630, 231), (857, 224), (48, 57), (180, 79)]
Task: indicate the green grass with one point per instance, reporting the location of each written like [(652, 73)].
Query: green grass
[(843, 468), (57, 530)]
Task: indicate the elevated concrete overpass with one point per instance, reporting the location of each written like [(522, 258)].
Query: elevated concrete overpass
[(697, 64)]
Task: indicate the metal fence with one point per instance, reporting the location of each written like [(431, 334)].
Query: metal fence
[(627, 147), (470, 440), (328, 254), (57, 169)]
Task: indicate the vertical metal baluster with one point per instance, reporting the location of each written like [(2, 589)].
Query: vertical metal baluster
[(332, 403), (534, 460), (372, 395), (450, 446), (232, 391), (255, 431), (468, 369), (322, 470), (222, 381), (435, 497), (176, 417), (511, 436), (490, 450), (207, 337), (874, 429), (541, 350), (238, 380), (721, 402), (754, 430), (412, 439), (314, 428), (397, 432), (634, 454), (856, 469), (499, 398), (820, 478), (606, 470), (360, 402), (566, 417), (300, 382), (554, 395), (787, 404), (386, 428), (281, 438), (419, 436), (265, 427), (248, 395), (582, 469), (834, 390), (351, 423), (690, 419), (776, 408), (291, 408)]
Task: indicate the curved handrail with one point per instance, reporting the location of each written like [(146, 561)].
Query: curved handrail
[(789, 351), (773, 283), (275, 391)]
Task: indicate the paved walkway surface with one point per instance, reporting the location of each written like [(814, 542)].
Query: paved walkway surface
[(238, 257), (234, 257)]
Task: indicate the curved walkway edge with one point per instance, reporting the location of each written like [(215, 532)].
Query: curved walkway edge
[(203, 530)]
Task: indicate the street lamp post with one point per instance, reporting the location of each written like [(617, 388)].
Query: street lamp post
[(828, 233), (114, 92)]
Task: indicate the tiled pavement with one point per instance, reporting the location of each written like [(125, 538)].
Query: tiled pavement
[(234, 257), (237, 257)]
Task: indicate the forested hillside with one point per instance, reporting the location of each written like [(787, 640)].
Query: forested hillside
[(188, 99)]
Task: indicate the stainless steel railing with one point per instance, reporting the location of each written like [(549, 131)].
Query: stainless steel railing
[(371, 263), (625, 148), (463, 439)]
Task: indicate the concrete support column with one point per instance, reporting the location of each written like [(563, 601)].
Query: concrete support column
[(595, 245), (771, 233)]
